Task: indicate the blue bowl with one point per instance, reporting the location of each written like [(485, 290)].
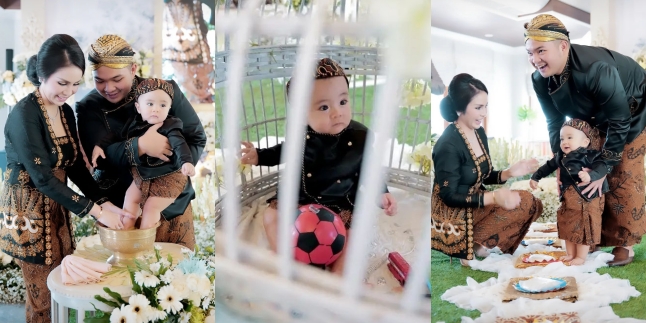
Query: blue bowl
[(549, 243), (561, 285)]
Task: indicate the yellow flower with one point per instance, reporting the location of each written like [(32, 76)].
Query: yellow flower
[(8, 76)]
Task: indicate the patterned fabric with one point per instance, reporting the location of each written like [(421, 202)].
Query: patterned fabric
[(591, 133), (179, 230), (623, 222), (494, 226), (38, 300), (149, 85), (579, 221), (546, 28), (111, 51), (325, 68), (39, 163), (167, 186)]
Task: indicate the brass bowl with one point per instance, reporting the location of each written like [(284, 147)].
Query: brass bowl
[(126, 245)]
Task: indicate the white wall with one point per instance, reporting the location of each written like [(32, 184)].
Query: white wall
[(8, 35), (629, 25), (503, 69)]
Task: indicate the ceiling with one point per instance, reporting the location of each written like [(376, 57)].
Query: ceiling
[(502, 21)]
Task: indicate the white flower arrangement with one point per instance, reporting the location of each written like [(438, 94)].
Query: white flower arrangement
[(415, 93), (144, 60), (14, 88), (12, 285), (420, 158), (242, 169), (163, 292), (547, 192), (22, 59)]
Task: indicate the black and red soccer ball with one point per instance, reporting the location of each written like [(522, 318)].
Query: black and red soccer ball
[(319, 235)]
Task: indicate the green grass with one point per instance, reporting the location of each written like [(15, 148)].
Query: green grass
[(265, 100), (445, 275)]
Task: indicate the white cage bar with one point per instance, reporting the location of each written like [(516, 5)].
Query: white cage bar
[(290, 46)]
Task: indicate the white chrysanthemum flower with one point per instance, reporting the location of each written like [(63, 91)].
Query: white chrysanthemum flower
[(206, 302), (211, 264), (168, 300), (146, 279), (164, 262), (158, 247), (186, 251), (140, 306), (5, 258), (167, 277), (155, 268), (156, 315), (184, 317), (122, 315)]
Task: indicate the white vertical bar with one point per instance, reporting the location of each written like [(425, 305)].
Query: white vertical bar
[(80, 316), (292, 152), (231, 134), (420, 270), (384, 117)]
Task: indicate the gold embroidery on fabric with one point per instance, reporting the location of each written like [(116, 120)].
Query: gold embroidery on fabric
[(37, 161), (446, 183), (23, 177), (61, 140)]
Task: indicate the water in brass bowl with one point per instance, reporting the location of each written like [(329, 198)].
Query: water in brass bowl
[(126, 245)]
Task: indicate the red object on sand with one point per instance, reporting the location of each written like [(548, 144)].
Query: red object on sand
[(398, 267)]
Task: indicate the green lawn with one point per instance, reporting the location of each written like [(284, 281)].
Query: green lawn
[(445, 275), (265, 100)]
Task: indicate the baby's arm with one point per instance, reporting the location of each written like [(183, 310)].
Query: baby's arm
[(543, 171), (183, 151), (96, 153)]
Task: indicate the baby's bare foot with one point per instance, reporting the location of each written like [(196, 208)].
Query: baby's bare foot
[(577, 261), (566, 258)]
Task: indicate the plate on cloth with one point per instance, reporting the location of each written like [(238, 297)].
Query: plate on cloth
[(521, 263), (569, 293), (546, 242), (537, 257), (544, 227), (571, 317), (540, 285)]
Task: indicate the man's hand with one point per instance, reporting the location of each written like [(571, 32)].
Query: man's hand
[(596, 185), (153, 144), (96, 153)]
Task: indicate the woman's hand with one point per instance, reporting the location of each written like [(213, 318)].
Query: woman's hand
[(523, 167), (506, 198), (113, 217), (249, 154)]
